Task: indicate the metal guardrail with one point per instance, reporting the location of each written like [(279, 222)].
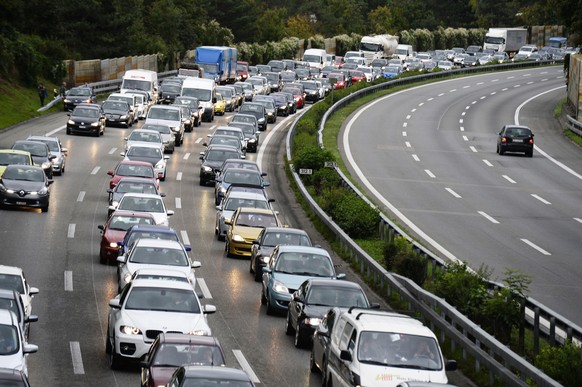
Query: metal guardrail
[(114, 84), (574, 125), (487, 351)]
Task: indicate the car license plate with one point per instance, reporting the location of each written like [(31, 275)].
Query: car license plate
[(81, 126), (21, 203), (517, 140)]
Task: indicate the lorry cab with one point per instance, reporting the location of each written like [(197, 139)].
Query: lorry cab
[(139, 79), (404, 52), (317, 58), (205, 90)]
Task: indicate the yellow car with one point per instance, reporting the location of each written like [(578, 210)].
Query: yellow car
[(245, 226), (13, 156), (219, 105)]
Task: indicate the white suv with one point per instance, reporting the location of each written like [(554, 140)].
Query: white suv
[(376, 348)]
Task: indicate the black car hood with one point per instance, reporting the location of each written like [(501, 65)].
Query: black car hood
[(212, 164), (115, 111), (24, 185), (83, 120), (38, 160), (316, 310)]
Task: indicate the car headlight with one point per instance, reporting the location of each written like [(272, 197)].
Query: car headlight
[(252, 140), (129, 330), (270, 113), (265, 259), (312, 321), (113, 244), (66, 100), (115, 203), (96, 123), (57, 160), (43, 191), (206, 169), (262, 119), (124, 117), (88, 100), (47, 165), (174, 129), (238, 238), (200, 332), (71, 122), (280, 288)]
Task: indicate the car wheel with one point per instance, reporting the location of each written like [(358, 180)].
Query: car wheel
[(114, 359), (107, 343), (45, 208), (263, 297), (501, 151), (97, 133), (163, 178), (288, 327), (102, 259), (312, 365), (258, 273), (497, 149), (201, 182), (299, 337), (270, 309), (529, 153), (227, 248)]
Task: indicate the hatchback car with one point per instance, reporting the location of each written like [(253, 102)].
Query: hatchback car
[(150, 153), (56, 149), (258, 110), (145, 136), (12, 156), (229, 205), (40, 152), (13, 278), (245, 226), (25, 186), (86, 119), (79, 95), (155, 253), (212, 161), (288, 268), (113, 232), (267, 240), (13, 347), (513, 138), (144, 309), (132, 185), (145, 203), (170, 350), (117, 112)]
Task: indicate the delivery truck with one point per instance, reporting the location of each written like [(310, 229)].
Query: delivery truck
[(508, 40), (218, 63)]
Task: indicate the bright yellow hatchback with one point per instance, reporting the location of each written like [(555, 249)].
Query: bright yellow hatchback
[(13, 156), (245, 226)]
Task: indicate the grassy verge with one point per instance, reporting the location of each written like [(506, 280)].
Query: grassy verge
[(20, 103)]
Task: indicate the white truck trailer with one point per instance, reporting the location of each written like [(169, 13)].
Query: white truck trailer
[(509, 40), (378, 47)]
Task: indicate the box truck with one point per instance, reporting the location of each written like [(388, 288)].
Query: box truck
[(218, 63), (509, 40), (144, 80), (378, 47)]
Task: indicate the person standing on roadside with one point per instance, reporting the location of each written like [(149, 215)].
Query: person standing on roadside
[(42, 93), (63, 90)]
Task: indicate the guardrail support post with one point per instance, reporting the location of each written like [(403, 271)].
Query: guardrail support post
[(536, 326), (552, 331), (521, 338)]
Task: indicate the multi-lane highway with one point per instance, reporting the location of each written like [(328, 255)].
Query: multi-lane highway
[(428, 154)]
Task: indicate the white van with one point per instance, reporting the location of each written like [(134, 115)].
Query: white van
[(404, 52), (145, 80), (377, 348), (205, 90), (316, 57)]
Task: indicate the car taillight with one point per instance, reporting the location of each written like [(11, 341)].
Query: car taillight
[(530, 141)]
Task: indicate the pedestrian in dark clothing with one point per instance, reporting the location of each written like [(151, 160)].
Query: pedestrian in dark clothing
[(42, 93), (63, 89)]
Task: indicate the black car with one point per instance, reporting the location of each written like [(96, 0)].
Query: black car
[(212, 160), (257, 110), (513, 138), (79, 95), (25, 185), (252, 136), (270, 108), (291, 103), (86, 119), (274, 80), (321, 341), (197, 375), (196, 110), (168, 91), (40, 153), (314, 298), (281, 104), (269, 238), (117, 113)]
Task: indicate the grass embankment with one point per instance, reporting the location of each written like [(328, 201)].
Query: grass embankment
[(19, 103)]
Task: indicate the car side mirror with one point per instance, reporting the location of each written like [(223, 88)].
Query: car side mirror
[(101, 227), (209, 309), (451, 365), (345, 355), (340, 276), (31, 318), (114, 303), (110, 173), (374, 305), (196, 264)]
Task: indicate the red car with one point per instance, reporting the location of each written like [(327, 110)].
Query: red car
[(132, 169), (242, 70), (114, 231), (170, 350), (340, 80), (297, 95), (357, 76)]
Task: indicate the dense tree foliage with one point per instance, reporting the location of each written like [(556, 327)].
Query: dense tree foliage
[(36, 35)]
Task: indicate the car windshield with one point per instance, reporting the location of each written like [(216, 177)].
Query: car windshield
[(14, 158), (336, 296), (35, 149), (136, 84), (221, 155), (247, 107), (197, 381), (201, 94), (307, 264), (192, 102), (517, 132), (233, 203), (135, 170), (159, 256), (164, 114), (171, 88), (227, 132), (163, 129), (244, 118), (251, 219), (234, 177), (398, 350), (162, 299), (130, 203), (273, 239), (234, 142), (23, 174), (79, 91), (124, 222), (147, 187), (52, 144), (9, 342), (174, 355), (114, 105), (12, 281), (138, 151), (144, 137), (151, 235), (10, 304)]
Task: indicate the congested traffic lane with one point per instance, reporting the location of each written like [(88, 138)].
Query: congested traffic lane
[(59, 252), (452, 189)]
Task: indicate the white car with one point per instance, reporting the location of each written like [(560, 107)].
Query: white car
[(445, 65), (150, 203), (141, 105), (155, 253), (12, 277), (143, 136), (233, 201), (151, 153), (148, 307), (13, 347)]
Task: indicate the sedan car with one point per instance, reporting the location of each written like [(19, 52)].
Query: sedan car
[(26, 186), (113, 232), (288, 268), (150, 153), (212, 160), (144, 309), (145, 203), (12, 156), (79, 95), (313, 299), (267, 240), (56, 149), (194, 375), (196, 110), (128, 168), (117, 112), (229, 205), (513, 138), (155, 253), (13, 278), (40, 152), (170, 350), (13, 347), (170, 115), (245, 226)]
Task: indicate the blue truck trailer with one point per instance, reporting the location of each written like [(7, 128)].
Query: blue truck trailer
[(218, 62)]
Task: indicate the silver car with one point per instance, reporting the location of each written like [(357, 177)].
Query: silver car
[(56, 149)]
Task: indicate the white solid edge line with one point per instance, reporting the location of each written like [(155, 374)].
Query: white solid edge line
[(75, 347), (242, 361)]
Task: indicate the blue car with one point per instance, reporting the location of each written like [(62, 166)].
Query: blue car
[(288, 268), (391, 72)]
